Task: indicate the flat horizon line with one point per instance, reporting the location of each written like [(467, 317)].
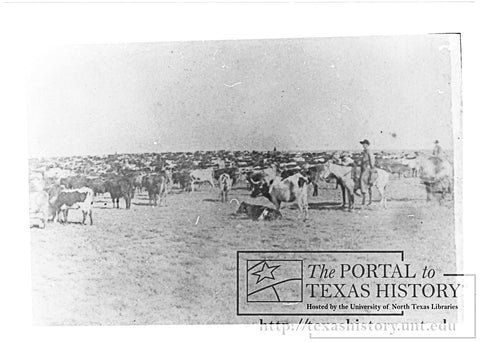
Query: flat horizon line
[(226, 150)]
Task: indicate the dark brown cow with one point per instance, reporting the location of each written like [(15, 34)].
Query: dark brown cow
[(118, 188), (182, 179), (256, 177), (156, 185), (97, 185), (258, 212)]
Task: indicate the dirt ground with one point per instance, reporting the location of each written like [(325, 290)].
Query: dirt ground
[(177, 264)]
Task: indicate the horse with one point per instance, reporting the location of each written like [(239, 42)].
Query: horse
[(347, 176), (437, 175), (380, 180), (344, 178)]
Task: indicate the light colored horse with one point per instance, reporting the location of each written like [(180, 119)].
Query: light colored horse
[(343, 175), (433, 167), (437, 175), (380, 182), (413, 164), (347, 174)]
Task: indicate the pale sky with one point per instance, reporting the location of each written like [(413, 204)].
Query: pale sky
[(292, 94)]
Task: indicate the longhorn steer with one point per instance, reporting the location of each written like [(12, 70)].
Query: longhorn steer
[(290, 189), (257, 177)]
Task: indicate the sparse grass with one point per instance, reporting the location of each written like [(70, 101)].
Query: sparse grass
[(155, 266)]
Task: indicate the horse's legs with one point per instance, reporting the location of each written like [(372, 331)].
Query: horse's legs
[(305, 204), (351, 198), (303, 208), (385, 196), (383, 199), (429, 189)]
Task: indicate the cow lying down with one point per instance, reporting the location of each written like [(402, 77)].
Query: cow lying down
[(258, 212)]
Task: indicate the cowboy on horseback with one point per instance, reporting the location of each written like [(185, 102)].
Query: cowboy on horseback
[(437, 149), (368, 172), (436, 172), (437, 158)]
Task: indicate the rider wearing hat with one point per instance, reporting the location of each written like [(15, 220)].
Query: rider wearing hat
[(437, 150), (367, 168)]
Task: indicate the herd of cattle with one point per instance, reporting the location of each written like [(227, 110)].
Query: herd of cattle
[(58, 185)]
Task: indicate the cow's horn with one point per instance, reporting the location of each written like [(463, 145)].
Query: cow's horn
[(234, 199), (253, 182)]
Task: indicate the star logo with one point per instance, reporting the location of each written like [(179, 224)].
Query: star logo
[(274, 280), (266, 272)]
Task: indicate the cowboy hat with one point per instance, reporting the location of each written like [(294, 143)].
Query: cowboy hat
[(365, 141)]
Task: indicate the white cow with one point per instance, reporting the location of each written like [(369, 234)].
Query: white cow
[(225, 183), (38, 209), (413, 164), (201, 176)]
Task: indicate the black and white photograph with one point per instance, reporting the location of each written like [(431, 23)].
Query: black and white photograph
[(152, 164)]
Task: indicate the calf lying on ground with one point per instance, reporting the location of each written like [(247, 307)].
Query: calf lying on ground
[(270, 214), (258, 212)]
